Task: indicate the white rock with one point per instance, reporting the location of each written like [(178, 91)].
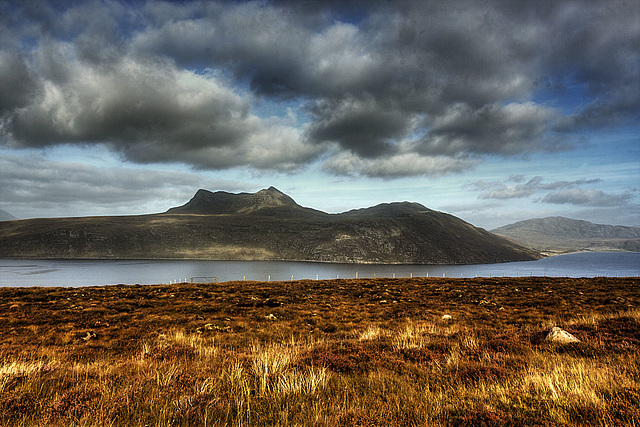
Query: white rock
[(559, 335)]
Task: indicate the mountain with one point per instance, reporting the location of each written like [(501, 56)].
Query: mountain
[(267, 225), (269, 201), (6, 216), (559, 235)]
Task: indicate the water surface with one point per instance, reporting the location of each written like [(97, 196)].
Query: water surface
[(29, 272)]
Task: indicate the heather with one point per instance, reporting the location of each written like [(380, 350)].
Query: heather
[(385, 352)]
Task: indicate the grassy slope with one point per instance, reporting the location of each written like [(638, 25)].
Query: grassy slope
[(322, 353)]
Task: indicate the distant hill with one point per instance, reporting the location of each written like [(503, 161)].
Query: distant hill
[(559, 234), (267, 225), (6, 216)]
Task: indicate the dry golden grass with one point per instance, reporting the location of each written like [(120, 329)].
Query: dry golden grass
[(326, 353)]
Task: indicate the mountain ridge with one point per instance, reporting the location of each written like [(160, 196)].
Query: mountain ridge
[(6, 216), (559, 234), (205, 202), (267, 225)]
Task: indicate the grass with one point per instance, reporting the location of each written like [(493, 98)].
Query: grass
[(369, 352)]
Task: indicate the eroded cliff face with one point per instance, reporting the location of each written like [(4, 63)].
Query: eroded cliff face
[(267, 225)]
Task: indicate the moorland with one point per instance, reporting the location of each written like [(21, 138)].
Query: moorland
[(368, 352)]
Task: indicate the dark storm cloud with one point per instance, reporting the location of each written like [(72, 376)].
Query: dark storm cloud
[(360, 126), (436, 85), (461, 74), (18, 83), (149, 111), (510, 129)]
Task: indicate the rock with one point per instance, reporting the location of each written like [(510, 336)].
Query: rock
[(213, 327), (89, 336), (271, 317), (561, 336), (446, 318)]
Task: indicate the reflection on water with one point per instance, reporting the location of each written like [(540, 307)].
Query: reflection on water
[(40, 271), (16, 272)]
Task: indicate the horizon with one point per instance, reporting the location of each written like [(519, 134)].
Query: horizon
[(333, 213), (492, 112)]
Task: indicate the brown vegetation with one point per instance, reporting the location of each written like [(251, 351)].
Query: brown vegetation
[(323, 353)]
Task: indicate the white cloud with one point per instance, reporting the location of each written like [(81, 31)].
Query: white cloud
[(396, 165), (594, 198), (500, 190)]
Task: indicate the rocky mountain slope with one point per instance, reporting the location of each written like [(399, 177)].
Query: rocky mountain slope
[(267, 225), (559, 234)]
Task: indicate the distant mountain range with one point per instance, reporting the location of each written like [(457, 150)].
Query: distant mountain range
[(6, 216), (267, 225), (558, 235)]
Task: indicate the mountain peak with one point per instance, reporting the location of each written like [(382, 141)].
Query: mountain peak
[(389, 210), (205, 202), (6, 216)]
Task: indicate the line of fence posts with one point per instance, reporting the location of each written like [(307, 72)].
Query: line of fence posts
[(357, 275)]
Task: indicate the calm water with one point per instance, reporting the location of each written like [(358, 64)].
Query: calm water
[(20, 272)]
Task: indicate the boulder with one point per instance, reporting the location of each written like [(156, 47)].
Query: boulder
[(561, 336), (90, 335)]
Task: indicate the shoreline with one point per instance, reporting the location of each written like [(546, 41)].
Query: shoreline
[(21, 272)]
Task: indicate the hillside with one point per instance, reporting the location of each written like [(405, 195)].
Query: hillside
[(559, 234), (267, 225), (6, 216)]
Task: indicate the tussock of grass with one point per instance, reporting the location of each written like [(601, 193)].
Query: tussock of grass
[(207, 355)]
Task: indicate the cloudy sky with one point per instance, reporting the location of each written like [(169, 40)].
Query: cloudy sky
[(491, 111)]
